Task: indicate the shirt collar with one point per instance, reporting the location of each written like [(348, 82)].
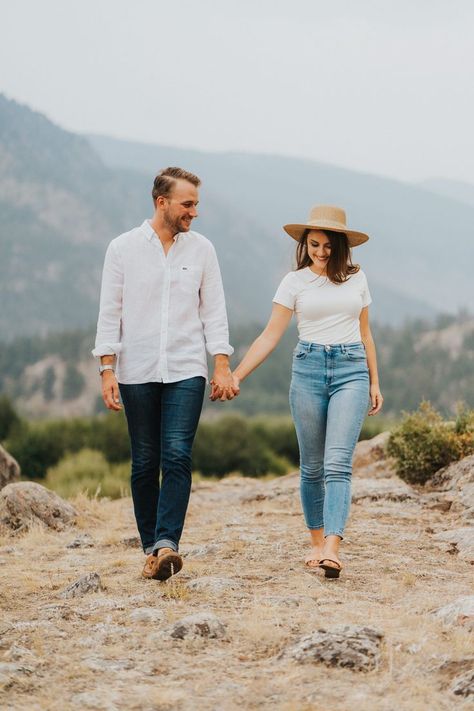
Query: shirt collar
[(150, 232)]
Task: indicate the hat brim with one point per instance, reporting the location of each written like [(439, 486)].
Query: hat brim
[(354, 238)]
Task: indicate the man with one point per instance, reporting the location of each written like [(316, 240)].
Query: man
[(161, 305)]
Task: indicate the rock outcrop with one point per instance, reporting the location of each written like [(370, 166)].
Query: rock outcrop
[(9, 468), (370, 457), (457, 483), (25, 502)]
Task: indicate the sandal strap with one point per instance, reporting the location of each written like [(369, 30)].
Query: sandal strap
[(330, 560)]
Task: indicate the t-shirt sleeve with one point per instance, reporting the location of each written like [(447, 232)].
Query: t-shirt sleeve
[(366, 297), (286, 292)]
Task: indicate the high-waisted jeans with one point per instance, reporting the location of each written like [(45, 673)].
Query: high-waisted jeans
[(329, 396), (162, 421)]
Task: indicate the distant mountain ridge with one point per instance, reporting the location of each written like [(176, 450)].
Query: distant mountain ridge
[(63, 197), (411, 228)]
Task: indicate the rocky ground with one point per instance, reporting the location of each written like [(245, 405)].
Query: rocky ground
[(244, 625)]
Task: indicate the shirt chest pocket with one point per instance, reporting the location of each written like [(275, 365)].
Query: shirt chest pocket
[(189, 279)]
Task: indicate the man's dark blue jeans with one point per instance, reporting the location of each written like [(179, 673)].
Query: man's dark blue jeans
[(162, 421)]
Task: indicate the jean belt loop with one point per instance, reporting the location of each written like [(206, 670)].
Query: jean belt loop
[(343, 349)]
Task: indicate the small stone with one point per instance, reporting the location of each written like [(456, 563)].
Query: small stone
[(86, 584), (459, 612), (147, 614), (83, 541), (212, 584), (108, 665), (207, 549), (458, 540), (202, 624), (131, 542), (287, 600), (10, 671), (25, 502), (352, 646), (464, 685)]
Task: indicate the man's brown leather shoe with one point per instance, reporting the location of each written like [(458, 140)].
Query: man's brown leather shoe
[(167, 563), (149, 566)]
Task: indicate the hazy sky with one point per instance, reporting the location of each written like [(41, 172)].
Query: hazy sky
[(383, 86)]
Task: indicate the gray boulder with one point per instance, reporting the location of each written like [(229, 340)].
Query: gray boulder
[(202, 624), (26, 502), (9, 468), (351, 646), (458, 612)]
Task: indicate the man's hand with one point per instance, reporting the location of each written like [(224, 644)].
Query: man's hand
[(110, 390), (223, 383)]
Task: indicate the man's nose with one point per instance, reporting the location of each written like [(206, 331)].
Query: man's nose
[(194, 212)]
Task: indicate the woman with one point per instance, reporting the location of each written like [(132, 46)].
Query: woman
[(334, 371)]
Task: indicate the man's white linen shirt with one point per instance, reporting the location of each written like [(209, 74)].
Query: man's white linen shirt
[(159, 313)]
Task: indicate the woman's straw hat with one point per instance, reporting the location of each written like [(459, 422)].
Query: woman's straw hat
[(327, 217)]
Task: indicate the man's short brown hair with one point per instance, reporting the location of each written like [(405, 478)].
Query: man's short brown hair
[(166, 179)]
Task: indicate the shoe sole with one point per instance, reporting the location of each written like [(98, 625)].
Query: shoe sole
[(167, 565), (330, 572)]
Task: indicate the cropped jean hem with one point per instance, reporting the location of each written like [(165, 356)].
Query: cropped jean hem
[(165, 543)]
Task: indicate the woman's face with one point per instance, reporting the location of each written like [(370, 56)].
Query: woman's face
[(319, 248)]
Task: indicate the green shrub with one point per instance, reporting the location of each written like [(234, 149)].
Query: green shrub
[(8, 417), (88, 471), (424, 443), (231, 444), (35, 447), (109, 434), (279, 435)]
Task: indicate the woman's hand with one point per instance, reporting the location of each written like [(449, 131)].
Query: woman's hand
[(376, 400)]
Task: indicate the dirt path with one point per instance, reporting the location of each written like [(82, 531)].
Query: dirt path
[(243, 546)]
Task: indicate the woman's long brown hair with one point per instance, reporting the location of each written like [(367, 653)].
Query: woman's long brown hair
[(339, 266)]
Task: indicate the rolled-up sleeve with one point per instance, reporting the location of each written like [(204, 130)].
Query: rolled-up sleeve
[(107, 340), (212, 309)]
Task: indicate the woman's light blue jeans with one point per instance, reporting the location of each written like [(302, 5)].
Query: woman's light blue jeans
[(329, 396)]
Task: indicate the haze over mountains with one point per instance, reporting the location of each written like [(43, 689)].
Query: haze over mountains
[(63, 197)]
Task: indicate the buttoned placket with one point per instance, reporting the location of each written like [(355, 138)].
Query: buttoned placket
[(162, 374)]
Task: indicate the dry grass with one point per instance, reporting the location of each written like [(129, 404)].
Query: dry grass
[(88, 652)]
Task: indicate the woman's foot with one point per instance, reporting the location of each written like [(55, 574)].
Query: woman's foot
[(332, 568), (313, 557), (329, 560)]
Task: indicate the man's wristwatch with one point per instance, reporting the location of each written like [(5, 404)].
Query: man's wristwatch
[(106, 367)]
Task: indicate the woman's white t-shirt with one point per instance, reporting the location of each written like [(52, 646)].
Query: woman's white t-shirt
[(326, 313)]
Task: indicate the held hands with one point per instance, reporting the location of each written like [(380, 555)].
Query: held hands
[(110, 390), (224, 385), (376, 400)]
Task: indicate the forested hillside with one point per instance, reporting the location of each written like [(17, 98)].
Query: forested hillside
[(56, 375)]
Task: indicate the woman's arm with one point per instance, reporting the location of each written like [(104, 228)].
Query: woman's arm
[(265, 343), (376, 398)]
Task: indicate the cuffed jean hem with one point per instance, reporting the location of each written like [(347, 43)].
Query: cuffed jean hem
[(334, 533), (165, 543), (315, 528)]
